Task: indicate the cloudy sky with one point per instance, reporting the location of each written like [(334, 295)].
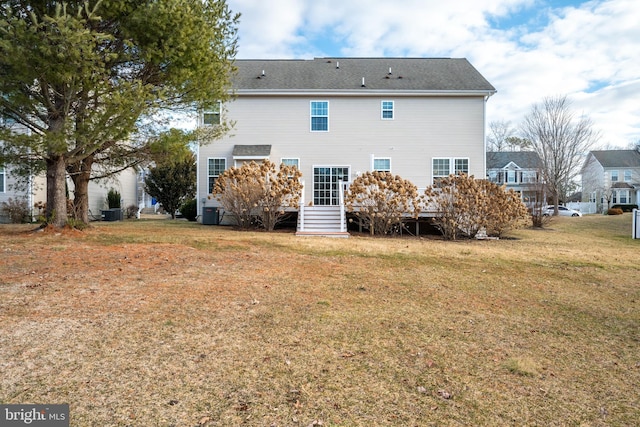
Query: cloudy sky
[(528, 49)]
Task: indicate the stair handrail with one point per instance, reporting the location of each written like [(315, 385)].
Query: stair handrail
[(341, 186), (301, 208)]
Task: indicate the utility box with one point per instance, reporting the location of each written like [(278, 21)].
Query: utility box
[(210, 215), (113, 214)]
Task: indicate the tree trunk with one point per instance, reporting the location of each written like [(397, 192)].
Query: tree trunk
[(56, 213), (81, 175)]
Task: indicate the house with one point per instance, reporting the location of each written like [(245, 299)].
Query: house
[(519, 171), (335, 118), (611, 177)]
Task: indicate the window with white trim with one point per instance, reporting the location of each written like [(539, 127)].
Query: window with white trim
[(614, 176), (621, 196), (627, 175), (511, 177), (382, 164), (442, 167), (3, 176), (215, 167), (386, 108), (212, 117), (290, 162), (319, 116)]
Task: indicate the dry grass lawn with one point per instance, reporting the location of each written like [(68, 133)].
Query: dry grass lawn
[(169, 323)]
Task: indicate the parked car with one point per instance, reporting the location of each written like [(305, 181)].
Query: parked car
[(562, 211)]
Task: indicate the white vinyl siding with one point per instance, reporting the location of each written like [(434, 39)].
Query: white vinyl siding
[(319, 116), (215, 168)]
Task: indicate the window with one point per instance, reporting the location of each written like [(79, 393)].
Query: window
[(493, 175), (443, 167), (215, 167), (382, 164), (291, 162), (387, 110), (319, 116), (212, 117), (623, 197), (614, 176), (627, 175), (462, 166), (3, 174), (529, 177), (511, 177)]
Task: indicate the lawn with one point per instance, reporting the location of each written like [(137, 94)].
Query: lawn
[(170, 323)]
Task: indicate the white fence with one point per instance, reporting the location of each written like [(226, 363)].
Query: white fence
[(636, 224), (584, 207)]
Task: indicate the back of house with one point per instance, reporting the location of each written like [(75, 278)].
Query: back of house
[(335, 118)]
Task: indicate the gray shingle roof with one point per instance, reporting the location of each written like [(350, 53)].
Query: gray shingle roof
[(340, 74), (524, 159), (618, 158)]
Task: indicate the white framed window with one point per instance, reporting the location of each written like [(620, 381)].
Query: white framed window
[(3, 176), (622, 197), (627, 175), (493, 175), (382, 164), (442, 167), (529, 177), (511, 177), (212, 117), (614, 176), (593, 196), (319, 116), (290, 161), (387, 110), (215, 167)]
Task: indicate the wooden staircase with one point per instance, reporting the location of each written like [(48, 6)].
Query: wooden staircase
[(328, 221)]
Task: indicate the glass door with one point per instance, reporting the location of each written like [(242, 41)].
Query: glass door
[(325, 184)]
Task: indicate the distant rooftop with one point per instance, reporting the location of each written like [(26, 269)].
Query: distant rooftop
[(355, 74), (618, 158), (524, 159)]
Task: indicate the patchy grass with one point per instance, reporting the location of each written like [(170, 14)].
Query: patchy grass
[(164, 323)]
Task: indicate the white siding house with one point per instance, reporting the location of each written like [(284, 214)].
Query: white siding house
[(335, 118), (611, 177)]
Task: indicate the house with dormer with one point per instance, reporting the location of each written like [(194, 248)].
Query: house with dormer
[(335, 118), (519, 171), (611, 177)]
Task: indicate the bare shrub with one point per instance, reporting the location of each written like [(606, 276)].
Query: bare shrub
[(259, 191), (17, 210), (466, 205), (381, 200)]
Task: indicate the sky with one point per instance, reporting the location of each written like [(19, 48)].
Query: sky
[(588, 51)]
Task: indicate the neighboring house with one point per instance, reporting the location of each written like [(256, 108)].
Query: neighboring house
[(336, 118), (611, 177), (519, 171)]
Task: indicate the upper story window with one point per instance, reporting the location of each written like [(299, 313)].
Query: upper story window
[(215, 167), (493, 175), (319, 116), (529, 177), (387, 110), (382, 164), (614, 176), (212, 117), (627, 175), (511, 177)]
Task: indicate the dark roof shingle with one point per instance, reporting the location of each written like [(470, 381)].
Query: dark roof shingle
[(336, 74), (524, 159), (618, 158)]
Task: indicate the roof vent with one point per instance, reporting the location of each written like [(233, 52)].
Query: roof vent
[(390, 71), (337, 64), (363, 85), (263, 73)]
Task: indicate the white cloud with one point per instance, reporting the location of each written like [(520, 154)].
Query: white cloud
[(525, 48)]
